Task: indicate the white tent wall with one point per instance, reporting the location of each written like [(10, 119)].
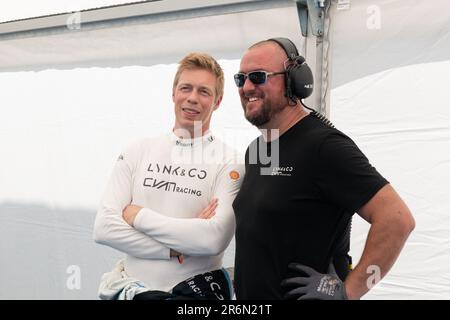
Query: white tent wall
[(72, 99), (390, 70), (157, 37)]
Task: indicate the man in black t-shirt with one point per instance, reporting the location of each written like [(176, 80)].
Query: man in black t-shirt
[(303, 182)]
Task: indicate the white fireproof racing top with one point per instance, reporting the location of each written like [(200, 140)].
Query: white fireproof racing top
[(173, 180)]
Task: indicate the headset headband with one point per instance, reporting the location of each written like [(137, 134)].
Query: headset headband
[(288, 47)]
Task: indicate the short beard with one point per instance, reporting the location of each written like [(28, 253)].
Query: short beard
[(261, 118)]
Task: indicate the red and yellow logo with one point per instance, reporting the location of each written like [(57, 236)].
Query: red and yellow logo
[(234, 175)]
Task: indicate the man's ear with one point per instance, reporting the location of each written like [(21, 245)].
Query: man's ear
[(216, 105)]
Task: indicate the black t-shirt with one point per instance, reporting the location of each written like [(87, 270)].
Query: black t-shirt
[(297, 212)]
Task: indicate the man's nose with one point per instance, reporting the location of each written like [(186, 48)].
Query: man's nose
[(193, 96), (248, 85)]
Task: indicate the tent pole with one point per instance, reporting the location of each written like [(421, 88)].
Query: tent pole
[(315, 23)]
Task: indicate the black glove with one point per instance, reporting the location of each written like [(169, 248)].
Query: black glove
[(315, 285)]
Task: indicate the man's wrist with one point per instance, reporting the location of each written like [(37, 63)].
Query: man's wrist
[(344, 291), (349, 293)]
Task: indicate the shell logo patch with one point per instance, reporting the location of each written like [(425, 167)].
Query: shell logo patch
[(234, 175)]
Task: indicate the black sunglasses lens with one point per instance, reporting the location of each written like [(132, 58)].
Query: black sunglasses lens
[(239, 79), (257, 77)]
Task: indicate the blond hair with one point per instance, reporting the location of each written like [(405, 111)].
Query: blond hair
[(196, 60)]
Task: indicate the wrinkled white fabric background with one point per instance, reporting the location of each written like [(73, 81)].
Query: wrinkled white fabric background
[(70, 102)]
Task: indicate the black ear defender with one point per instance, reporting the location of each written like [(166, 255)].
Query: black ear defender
[(299, 77)]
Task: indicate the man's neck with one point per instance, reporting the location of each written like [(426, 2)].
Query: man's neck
[(282, 121)]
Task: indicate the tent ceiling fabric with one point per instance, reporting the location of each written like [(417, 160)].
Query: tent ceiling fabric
[(113, 10), (13, 10), (149, 42), (405, 36)]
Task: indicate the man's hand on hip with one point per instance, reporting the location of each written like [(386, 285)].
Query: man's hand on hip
[(314, 285)]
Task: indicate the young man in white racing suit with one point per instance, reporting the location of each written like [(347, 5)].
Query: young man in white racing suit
[(168, 203)]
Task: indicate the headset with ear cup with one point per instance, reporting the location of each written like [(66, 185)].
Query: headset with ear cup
[(299, 77)]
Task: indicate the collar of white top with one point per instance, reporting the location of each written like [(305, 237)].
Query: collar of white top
[(182, 142)]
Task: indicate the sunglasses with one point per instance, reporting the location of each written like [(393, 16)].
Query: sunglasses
[(256, 77)]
